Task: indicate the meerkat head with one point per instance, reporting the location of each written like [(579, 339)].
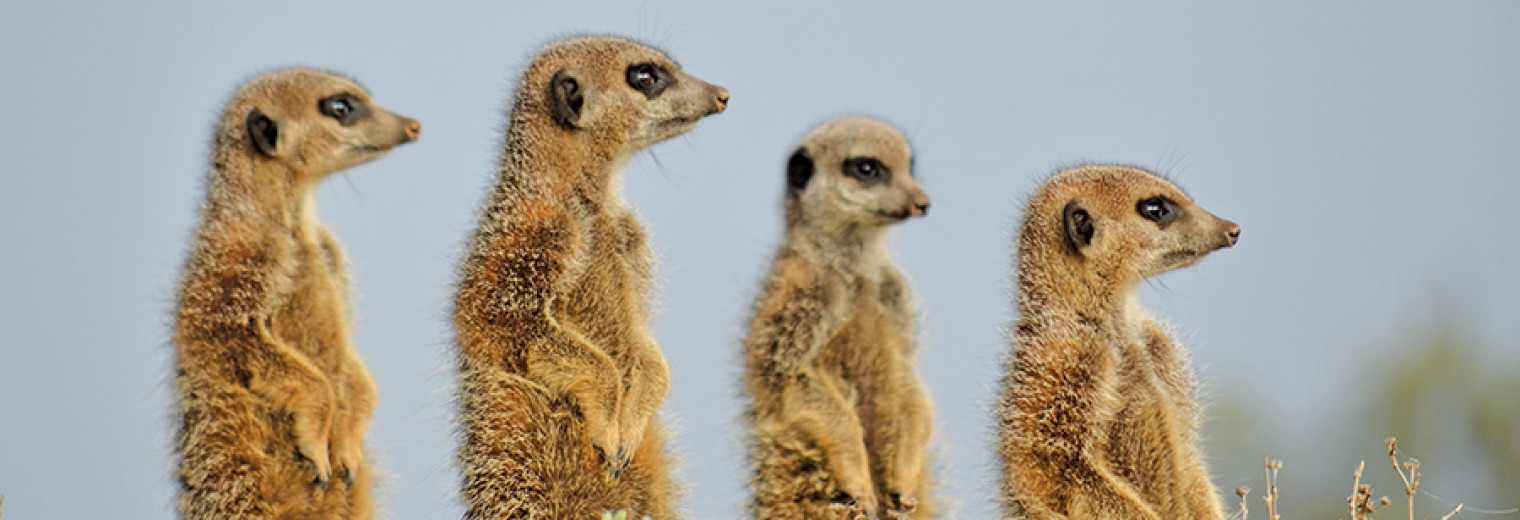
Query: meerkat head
[(316, 123), (1127, 223), (617, 92), (853, 171)]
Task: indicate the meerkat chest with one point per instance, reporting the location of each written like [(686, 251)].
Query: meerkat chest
[(608, 298), (313, 318), (873, 342), (1149, 420)]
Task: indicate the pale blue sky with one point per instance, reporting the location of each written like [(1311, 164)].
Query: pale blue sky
[(1369, 151)]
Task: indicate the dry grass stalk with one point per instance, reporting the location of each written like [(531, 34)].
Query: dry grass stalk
[(1412, 480), (1453, 513), (1272, 466), (1243, 492), (1361, 502)]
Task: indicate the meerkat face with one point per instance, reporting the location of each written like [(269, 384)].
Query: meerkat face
[(1129, 213), (610, 85), (319, 123), (855, 171)]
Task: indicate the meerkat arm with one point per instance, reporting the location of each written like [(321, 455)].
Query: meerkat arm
[(353, 382), (902, 435), (504, 312), (648, 386), (1053, 417)]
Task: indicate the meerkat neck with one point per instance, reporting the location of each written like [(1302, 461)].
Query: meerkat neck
[(248, 192), (846, 247), (1056, 286), (542, 158)]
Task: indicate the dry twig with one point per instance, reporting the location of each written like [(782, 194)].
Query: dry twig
[(1361, 496), (1243, 492), (1272, 466)]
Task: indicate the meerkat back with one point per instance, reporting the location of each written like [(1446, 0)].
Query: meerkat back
[(560, 378), (273, 399), (1097, 418), (840, 422)]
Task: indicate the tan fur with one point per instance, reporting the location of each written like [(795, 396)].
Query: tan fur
[(560, 378), (1098, 419), (840, 419), (274, 399)]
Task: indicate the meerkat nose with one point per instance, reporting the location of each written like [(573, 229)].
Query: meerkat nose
[(413, 130), (722, 99), (921, 208), (1232, 235)]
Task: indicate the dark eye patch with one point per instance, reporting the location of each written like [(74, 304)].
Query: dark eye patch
[(867, 170), (649, 78), (345, 108), (1160, 210)]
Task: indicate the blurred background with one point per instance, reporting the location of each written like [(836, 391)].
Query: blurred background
[(1369, 150)]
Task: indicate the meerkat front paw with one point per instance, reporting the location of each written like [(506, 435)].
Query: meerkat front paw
[(632, 436), (607, 441), (315, 452), (846, 507), (900, 505), (347, 457)]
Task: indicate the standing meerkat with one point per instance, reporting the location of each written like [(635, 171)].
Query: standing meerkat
[(840, 419), (273, 398), (560, 378), (1097, 416)]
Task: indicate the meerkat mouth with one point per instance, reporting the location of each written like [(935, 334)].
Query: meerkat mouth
[(1182, 257), (682, 121), (371, 148)]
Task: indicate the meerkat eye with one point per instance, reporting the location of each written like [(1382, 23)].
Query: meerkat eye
[(647, 78), (865, 169), (342, 107), (1160, 210)]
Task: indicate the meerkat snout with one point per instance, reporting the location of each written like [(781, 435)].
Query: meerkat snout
[(1231, 233), (722, 98), (920, 203), (413, 129)]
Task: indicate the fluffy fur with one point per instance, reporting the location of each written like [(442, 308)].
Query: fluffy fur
[(1097, 416), (274, 400), (560, 379), (840, 421)]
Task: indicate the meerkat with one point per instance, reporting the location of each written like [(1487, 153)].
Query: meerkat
[(273, 399), (840, 420), (560, 378), (1097, 416)]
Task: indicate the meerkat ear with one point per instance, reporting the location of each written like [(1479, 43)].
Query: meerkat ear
[(566, 98), (1080, 227), (263, 132), (798, 170)]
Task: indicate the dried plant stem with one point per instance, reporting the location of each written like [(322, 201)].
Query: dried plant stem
[(1360, 500), (1412, 480), (1453, 513), (1243, 492), (1272, 466)]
